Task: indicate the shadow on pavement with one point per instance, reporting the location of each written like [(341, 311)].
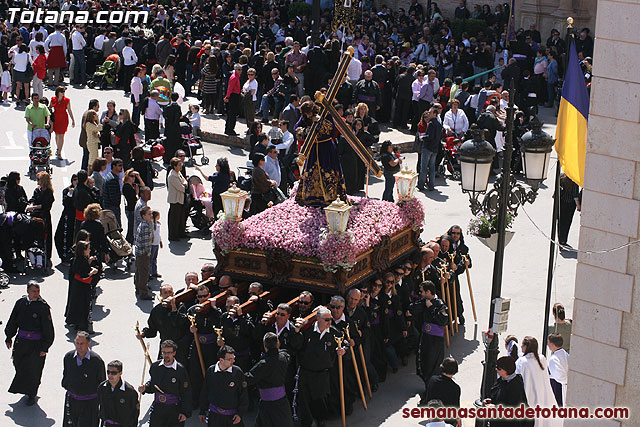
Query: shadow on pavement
[(179, 247), (23, 415)]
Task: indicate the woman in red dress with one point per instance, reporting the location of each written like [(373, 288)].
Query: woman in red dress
[(61, 111)]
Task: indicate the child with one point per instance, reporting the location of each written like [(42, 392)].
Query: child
[(143, 239), (275, 133), (5, 82), (156, 244), (396, 152), (558, 367), (194, 119)]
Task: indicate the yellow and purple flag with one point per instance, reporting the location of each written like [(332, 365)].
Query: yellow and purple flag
[(571, 131)]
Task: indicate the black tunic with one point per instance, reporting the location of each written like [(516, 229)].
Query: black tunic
[(29, 316), (238, 334), (174, 383), (316, 356), (511, 394), (205, 323), (431, 347), (226, 391), (65, 230), (79, 296), (82, 381), (441, 387), (350, 164), (379, 332), (119, 405), (172, 325), (271, 372)]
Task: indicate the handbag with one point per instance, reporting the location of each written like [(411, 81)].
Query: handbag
[(417, 143)]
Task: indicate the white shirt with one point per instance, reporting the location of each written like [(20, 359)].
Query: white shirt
[(78, 40), (136, 88), (219, 369), (250, 85), (174, 365), (286, 326), (416, 89), (99, 41), (56, 39), (129, 55), (317, 329), (537, 386), (156, 234), (32, 49), (21, 60), (354, 71), (458, 122), (272, 167), (287, 139)]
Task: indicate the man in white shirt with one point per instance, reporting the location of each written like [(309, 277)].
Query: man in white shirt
[(56, 46), (354, 70), (80, 61), (417, 105), (99, 40), (272, 165), (130, 59), (558, 367), (455, 122)]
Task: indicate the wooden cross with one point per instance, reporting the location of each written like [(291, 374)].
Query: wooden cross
[(327, 103)]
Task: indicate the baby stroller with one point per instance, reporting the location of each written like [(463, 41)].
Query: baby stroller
[(105, 74), (200, 204), (191, 144), (451, 161), (40, 151), (119, 247), (154, 148)]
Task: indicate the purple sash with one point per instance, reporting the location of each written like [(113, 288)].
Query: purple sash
[(432, 329), (271, 394), (29, 335), (213, 408), (82, 396), (206, 338), (367, 98), (376, 321), (166, 398), (111, 422)]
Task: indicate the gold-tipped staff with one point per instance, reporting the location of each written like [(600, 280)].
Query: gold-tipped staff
[(473, 303), (455, 294), (341, 376), (147, 358), (444, 298), (355, 368), (192, 319), (219, 332), (364, 369)]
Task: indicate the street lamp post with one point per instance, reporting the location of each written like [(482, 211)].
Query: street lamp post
[(505, 197)]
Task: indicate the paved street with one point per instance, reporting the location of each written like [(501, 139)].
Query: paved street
[(117, 311)]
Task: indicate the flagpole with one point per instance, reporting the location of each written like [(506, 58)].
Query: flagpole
[(554, 216)]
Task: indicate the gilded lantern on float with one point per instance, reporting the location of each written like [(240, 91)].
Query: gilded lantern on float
[(406, 181), (337, 215), (233, 201)]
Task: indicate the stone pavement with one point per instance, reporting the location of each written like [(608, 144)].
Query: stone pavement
[(117, 310)]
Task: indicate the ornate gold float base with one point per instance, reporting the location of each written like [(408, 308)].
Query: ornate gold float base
[(278, 267)]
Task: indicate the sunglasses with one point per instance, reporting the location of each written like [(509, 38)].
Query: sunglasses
[(281, 314), (202, 296), (113, 372), (454, 233), (206, 271), (389, 282), (304, 302), (326, 319), (335, 307)]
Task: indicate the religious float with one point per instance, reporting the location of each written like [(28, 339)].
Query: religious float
[(320, 239)]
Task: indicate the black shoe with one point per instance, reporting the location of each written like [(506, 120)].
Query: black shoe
[(461, 319), (374, 388), (31, 400), (230, 133), (405, 361)]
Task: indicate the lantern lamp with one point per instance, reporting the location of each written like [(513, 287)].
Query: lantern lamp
[(233, 201), (476, 156), (337, 216), (536, 149), (406, 181)]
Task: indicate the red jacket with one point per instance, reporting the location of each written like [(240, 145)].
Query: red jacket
[(40, 67)]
